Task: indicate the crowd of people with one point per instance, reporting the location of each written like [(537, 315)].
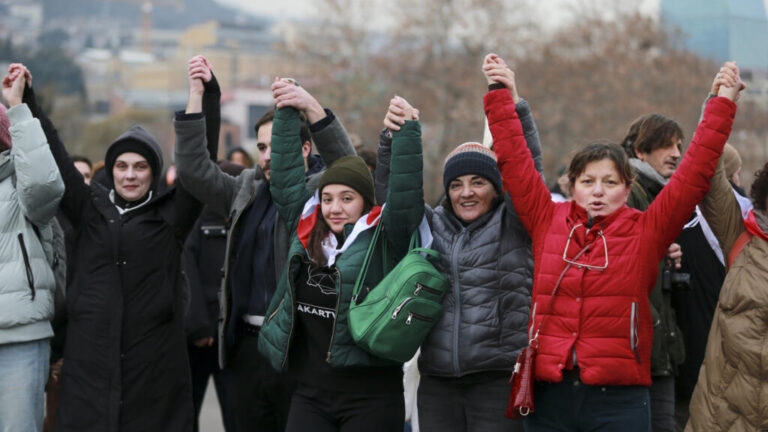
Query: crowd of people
[(641, 284)]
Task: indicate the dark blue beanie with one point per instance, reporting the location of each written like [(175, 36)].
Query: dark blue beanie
[(471, 158)]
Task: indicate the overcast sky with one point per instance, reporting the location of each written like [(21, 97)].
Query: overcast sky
[(551, 11), (306, 8), (292, 8)]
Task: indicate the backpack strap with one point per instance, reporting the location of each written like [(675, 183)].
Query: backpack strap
[(738, 245)]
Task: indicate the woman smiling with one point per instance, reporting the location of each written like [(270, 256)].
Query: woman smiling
[(341, 387), (125, 362)]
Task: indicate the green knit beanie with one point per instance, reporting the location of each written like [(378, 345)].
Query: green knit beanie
[(353, 172)]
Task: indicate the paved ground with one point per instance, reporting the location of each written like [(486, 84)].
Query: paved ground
[(210, 414)]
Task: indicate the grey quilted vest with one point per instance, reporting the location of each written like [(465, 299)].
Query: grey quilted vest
[(489, 267)]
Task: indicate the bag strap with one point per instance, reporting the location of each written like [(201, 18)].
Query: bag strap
[(366, 262), (369, 253), (738, 245)]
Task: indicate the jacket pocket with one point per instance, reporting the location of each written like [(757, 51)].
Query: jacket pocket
[(634, 337), (27, 265)]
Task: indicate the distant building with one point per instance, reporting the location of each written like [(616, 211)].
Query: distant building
[(244, 106), (22, 21), (722, 30)]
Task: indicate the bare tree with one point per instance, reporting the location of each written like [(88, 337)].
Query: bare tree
[(587, 80)]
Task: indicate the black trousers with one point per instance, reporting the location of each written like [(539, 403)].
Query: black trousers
[(258, 397), (473, 403), (204, 363), (319, 410)]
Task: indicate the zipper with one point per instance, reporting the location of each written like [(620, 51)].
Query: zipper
[(338, 302), (272, 315), (27, 265), (412, 315), (634, 337), (457, 299), (420, 287), (400, 306)]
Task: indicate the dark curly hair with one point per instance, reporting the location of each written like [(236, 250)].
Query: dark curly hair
[(759, 190)]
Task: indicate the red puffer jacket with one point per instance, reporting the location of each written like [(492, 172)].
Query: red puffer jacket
[(601, 314)]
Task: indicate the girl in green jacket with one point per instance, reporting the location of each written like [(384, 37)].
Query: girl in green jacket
[(340, 387)]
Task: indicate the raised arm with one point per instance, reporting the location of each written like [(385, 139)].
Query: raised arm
[(197, 132), (405, 196), (187, 207), (76, 192), (673, 207), (531, 133), (524, 184), (393, 121), (722, 211), (287, 185), (38, 184), (329, 135)]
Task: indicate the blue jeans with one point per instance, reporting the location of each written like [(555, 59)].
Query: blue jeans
[(23, 374), (571, 405)]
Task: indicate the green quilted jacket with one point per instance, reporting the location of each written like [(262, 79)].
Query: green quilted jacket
[(401, 217)]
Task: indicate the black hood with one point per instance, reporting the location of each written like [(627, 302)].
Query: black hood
[(137, 140)]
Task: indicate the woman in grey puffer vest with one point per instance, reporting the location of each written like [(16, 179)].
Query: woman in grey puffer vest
[(467, 359)]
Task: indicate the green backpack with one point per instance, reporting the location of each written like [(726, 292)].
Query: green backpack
[(393, 319)]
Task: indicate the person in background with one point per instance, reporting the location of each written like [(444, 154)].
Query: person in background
[(559, 188), (732, 164), (202, 261), (238, 155), (369, 156), (30, 190), (654, 145), (84, 165), (99, 175), (590, 319)]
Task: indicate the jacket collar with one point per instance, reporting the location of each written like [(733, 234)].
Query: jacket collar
[(648, 177), (314, 165), (133, 205)]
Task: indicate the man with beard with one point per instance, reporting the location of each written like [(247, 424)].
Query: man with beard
[(257, 249)]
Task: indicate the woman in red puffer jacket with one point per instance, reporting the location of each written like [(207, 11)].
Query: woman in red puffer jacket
[(596, 262)]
